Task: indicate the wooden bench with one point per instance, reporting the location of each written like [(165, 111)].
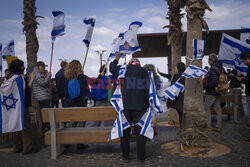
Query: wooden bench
[(60, 136), (231, 105)]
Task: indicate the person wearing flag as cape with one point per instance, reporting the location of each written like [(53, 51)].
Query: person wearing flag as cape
[(16, 95), (135, 95)]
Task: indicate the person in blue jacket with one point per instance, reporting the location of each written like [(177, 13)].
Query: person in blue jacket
[(99, 91)]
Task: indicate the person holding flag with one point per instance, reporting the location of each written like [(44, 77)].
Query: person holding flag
[(135, 99), (179, 101)]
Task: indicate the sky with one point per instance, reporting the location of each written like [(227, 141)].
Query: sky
[(112, 17)]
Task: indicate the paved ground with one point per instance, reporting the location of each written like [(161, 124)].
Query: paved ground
[(233, 136)]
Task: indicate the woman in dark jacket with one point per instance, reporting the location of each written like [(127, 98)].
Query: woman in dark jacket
[(178, 102), (74, 71)]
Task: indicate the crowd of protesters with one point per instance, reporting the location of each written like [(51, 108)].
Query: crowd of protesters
[(49, 91)]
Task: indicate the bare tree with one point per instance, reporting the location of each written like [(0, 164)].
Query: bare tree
[(194, 130)]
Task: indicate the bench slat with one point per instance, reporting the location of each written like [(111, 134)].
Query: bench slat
[(76, 114), (85, 135)]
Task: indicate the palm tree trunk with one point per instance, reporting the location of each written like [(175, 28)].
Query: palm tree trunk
[(32, 46), (194, 130), (175, 37), (175, 34), (29, 27)]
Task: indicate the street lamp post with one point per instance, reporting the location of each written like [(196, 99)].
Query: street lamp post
[(101, 52)]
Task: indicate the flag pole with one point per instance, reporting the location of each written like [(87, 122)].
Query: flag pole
[(50, 66), (51, 57), (85, 59)]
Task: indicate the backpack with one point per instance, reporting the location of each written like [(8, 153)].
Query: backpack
[(223, 85), (74, 88)]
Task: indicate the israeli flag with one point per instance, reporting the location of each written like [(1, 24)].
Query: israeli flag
[(153, 98), (162, 96), (117, 42), (194, 71), (198, 46), (1, 60), (9, 50), (173, 91), (245, 35), (58, 24), (146, 124), (121, 122), (90, 22), (12, 104), (230, 51), (154, 108), (129, 42)]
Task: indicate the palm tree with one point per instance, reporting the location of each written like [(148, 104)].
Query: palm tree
[(175, 38), (194, 130), (175, 35), (29, 27), (32, 46)]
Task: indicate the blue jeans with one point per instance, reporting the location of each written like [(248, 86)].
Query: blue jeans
[(248, 107)]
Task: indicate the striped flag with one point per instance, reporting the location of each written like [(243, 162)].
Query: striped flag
[(154, 106), (194, 71), (198, 46), (117, 42), (12, 106), (173, 91), (230, 51), (121, 122), (58, 24), (129, 43), (9, 50), (245, 35), (90, 22)]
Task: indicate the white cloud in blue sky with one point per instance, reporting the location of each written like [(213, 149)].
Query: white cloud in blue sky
[(113, 17)]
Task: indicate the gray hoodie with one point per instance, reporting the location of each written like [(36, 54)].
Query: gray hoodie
[(40, 86)]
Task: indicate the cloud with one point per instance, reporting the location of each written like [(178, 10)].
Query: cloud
[(160, 21), (104, 32), (98, 47), (151, 11), (228, 15), (116, 9)]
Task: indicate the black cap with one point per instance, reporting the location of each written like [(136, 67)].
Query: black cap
[(40, 63)]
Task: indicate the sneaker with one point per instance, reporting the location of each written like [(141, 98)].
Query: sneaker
[(82, 146), (126, 160)]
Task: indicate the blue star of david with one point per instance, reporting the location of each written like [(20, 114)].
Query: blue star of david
[(200, 51), (10, 97), (237, 59), (162, 98)]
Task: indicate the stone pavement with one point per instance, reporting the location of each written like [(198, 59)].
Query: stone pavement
[(233, 135)]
